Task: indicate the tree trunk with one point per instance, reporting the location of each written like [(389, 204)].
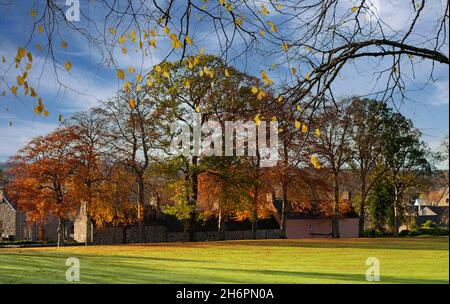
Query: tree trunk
[(220, 228), (124, 234), (60, 231), (395, 211), (141, 212), (255, 214), (335, 221), (284, 211), (193, 216), (362, 208)]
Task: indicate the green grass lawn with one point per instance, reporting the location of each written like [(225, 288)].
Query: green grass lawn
[(405, 260)]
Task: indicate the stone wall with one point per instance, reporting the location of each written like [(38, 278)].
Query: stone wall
[(7, 218), (159, 234)]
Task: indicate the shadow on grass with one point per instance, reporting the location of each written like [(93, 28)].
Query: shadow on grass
[(360, 243), (356, 278)]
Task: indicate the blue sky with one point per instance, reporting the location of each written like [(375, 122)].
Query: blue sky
[(91, 80)]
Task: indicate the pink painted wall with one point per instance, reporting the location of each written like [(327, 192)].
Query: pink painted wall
[(302, 228)]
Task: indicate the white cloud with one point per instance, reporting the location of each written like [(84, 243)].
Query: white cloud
[(441, 93), (15, 137)]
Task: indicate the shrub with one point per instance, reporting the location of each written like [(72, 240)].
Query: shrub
[(404, 232), (429, 224), (374, 233), (429, 231)]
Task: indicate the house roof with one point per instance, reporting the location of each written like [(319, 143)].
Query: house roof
[(9, 202), (439, 214)]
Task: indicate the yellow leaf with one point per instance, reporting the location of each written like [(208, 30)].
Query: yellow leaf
[(304, 128), (166, 74), (294, 71), (14, 90), (227, 73), (187, 84), (279, 6), (40, 29), (264, 10), (21, 52), (188, 40), (239, 21), (120, 74), (176, 44), (354, 9), (38, 47), (158, 69), (222, 2), (297, 124), (30, 57), (138, 78), (138, 87), (33, 13), (315, 161), (3, 59), (166, 30), (274, 118), (126, 86), (308, 76), (260, 95), (38, 109), (152, 42), (197, 109), (64, 44), (273, 28), (280, 99), (149, 81), (201, 51), (131, 70), (254, 90), (121, 39), (153, 33), (46, 113), (32, 92), (68, 66), (317, 132), (261, 33), (131, 103), (285, 47), (112, 30), (196, 60), (124, 51), (257, 119), (19, 80)]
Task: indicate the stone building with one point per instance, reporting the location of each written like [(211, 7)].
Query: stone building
[(14, 224)]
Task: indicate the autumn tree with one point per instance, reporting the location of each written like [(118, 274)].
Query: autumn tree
[(190, 93), (41, 175), (333, 146), (133, 137), (92, 154)]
